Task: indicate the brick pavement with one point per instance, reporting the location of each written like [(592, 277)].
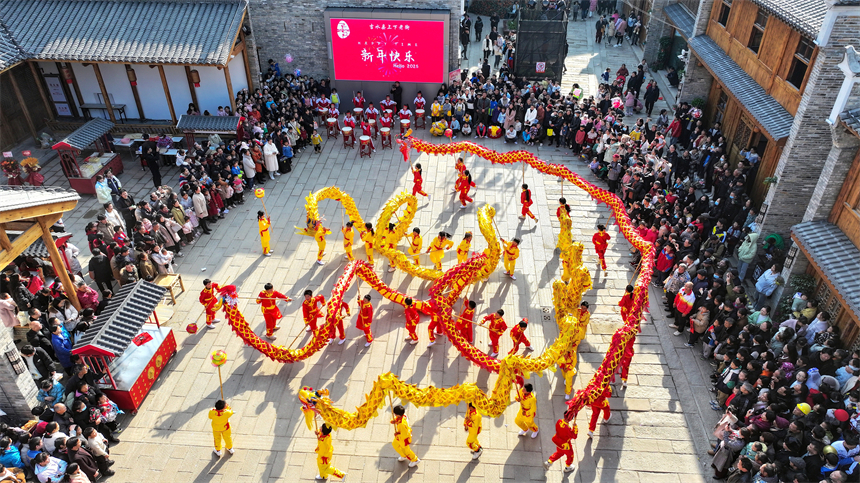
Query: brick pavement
[(658, 429)]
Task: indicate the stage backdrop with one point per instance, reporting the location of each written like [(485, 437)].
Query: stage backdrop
[(371, 48)]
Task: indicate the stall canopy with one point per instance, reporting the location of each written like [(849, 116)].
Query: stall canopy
[(208, 124), (85, 135), (120, 321)]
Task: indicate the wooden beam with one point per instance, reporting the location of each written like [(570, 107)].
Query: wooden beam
[(230, 89), (247, 65), (57, 260), (240, 46), (20, 243), (67, 92), (192, 88), (23, 104), (136, 96), (78, 94), (105, 96), (38, 80), (36, 211), (167, 93), (4, 239)]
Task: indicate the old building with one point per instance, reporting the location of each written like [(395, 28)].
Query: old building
[(780, 76)]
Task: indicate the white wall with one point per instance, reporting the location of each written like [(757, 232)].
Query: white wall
[(177, 82), (118, 86), (237, 73), (212, 91), (151, 92)]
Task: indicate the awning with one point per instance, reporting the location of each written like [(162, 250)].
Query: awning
[(141, 31), (834, 256), (19, 197), (851, 118), (38, 249), (681, 18), (208, 124), (85, 135), (120, 321), (772, 117)]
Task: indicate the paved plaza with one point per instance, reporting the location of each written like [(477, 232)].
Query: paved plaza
[(660, 424)]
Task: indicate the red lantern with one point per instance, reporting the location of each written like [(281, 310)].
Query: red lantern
[(191, 328)]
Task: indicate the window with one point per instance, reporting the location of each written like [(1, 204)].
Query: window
[(757, 31), (722, 102), (800, 62), (725, 10)]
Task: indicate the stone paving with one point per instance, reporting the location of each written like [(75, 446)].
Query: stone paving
[(659, 427)]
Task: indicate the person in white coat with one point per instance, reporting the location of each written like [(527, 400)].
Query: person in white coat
[(270, 158), (114, 217)]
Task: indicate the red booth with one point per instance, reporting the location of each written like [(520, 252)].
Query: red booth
[(82, 175), (128, 345)]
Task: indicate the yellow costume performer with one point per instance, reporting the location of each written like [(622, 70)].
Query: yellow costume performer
[(367, 238), (348, 235), (438, 128), (403, 437), (567, 363), (437, 249), (463, 248), (472, 425), (511, 253), (415, 245), (221, 426), (319, 236), (264, 223), (526, 415), (324, 451)]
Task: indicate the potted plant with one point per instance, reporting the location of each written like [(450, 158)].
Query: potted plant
[(11, 169), (31, 170)]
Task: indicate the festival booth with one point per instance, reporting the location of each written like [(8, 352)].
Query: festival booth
[(207, 125), (128, 345), (82, 176)]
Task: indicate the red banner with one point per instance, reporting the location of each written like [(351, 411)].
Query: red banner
[(388, 50)]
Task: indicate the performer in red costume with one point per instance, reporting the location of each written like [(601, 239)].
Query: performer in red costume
[(365, 317), (601, 404), (497, 327), (411, 321), (311, 309), (563, 440), (527, 201), (466, 320), (210, 302), (518, 335), (268, 300), (601, 243), (418, 181)]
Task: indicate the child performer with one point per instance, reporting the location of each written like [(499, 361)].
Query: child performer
[(601, 242), (340, 332), (460, 166), (497, 327), (437, 248), (221, 426), (626, 302), (415, 244), (472, 424), (526, 200), (464, 184), (411, 321), (319, 236), (268, 300), (210, 302), (366, 130), (463, 248), (403, 437), (264, 223), (518, 335), (365, 317), (316, 140), (624, 364), (601, 404), (324, 451), (511, 253), (526, 415), (418, 181), (367, 237), (563, 440), (389, 242), (465, 322), (311, 309), (348, 236)]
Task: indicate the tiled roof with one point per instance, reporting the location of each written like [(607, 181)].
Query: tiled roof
[(37, 248), (681, 18), (803, 15), (851, 118), (86, 134), (10, 52), (835, 256), (218, 124), (153, 31), (121, 320), (18, 197), (764, 108)]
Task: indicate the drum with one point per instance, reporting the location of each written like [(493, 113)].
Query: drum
[(419, 112), (322, 113), (331, 122), (347, 132), (386, 137), (372, 124), (420, 119), (364, 140), (389, 111), (404, 125), (348, 139), (385, 131), (357, 112)]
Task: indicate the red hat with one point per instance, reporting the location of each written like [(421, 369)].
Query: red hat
[(841, 415)]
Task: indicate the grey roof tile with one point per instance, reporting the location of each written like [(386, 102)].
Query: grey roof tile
[(10, 51), (86, 134), (219, 124), (18, 197), (763, 107), (37, 248), (835, 256), (681, 18), (851, 118), (154, 31), (121, 320), (807, 16)]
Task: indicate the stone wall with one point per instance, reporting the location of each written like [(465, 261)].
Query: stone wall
[(297, 27), (658, 27), (17, 391), (806, 153), (697, 81), (704, 16)]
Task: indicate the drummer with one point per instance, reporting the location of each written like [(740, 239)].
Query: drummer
[(419, 101), (385, 121), (323, 104), (405, 114), (371, 112), (358, 100), (388, 104), (366, 131), (333, 113), (349, 121)]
